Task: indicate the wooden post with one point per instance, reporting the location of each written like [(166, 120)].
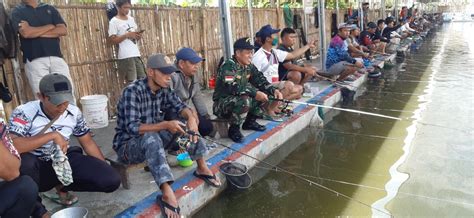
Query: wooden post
[(205, 50), (278, 15)]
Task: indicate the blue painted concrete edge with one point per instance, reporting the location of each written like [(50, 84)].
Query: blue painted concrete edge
[(148, 201)]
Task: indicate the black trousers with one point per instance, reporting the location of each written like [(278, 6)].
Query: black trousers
[(89, 174), (18, 197)]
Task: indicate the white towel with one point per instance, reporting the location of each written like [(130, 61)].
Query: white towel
[(61, 167)]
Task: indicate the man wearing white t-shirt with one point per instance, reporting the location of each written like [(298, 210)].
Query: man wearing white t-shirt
[(267, 60), (124, 31)]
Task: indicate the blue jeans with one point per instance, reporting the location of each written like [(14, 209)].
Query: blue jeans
[(150, 147)]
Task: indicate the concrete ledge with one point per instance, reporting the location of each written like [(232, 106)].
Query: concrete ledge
[(193, 194)]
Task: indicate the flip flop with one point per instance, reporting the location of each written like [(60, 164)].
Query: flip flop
[(164, 205), (67, 201), (207, 179)]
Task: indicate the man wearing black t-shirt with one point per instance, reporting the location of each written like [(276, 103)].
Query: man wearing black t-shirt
[(40, 27), (289, 69)]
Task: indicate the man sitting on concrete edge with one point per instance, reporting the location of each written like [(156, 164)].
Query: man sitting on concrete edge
[(186, 85), (241, 89), (339, 63), (289, 69), (143, 135), (267, 60), (41, 131), (17, 193)]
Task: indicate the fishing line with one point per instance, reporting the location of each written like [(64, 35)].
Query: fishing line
[(359, 134), (369, 187), (395, 93), (336, 108), (289, 173)]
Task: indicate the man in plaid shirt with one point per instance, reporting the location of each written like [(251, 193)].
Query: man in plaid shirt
[(143, 135)]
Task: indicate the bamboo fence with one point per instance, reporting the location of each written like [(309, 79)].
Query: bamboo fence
[(92, 60)]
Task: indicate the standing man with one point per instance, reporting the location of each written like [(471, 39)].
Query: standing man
[(124, 31), (41, 131), (142, 134), (289, 69), (355, 18), (185, 84), (240, 90), (40, 27)]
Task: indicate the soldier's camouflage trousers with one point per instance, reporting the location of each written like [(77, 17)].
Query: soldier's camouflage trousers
[(236, 108), (150, 147)]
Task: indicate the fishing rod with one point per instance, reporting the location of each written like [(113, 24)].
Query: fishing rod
[(368, 187), (288, 172), (385, 109), (335, 108), (336, 82)]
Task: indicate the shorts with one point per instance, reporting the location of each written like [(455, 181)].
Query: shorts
[(285, 77), (336, 69), (131, 68)]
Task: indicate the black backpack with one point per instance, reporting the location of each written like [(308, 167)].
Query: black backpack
[(111, 10)]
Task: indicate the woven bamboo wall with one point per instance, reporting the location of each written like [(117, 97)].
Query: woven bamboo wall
[(91, 58)]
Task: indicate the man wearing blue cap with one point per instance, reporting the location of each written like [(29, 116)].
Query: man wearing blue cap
[(142, 134), (267, 60), (185, 84)]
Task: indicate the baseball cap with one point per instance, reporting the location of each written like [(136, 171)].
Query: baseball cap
[(162, 63), (188, 54), (57, 87), (372, 25), (267, 31), (243, 43), (346, 25)]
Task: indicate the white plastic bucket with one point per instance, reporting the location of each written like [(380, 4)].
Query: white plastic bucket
[(94, 108), (71, 212)]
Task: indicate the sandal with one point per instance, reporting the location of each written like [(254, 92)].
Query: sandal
[(272, 118), (67, 200), (164, 206), (207, 179)]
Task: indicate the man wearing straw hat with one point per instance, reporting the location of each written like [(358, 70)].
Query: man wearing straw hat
[(40, 27), (142, 134), (41, 131)]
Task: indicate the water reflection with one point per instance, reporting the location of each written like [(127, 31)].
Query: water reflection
[(346, 157)]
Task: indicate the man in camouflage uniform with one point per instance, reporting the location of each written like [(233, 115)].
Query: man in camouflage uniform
[(240, 90)]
